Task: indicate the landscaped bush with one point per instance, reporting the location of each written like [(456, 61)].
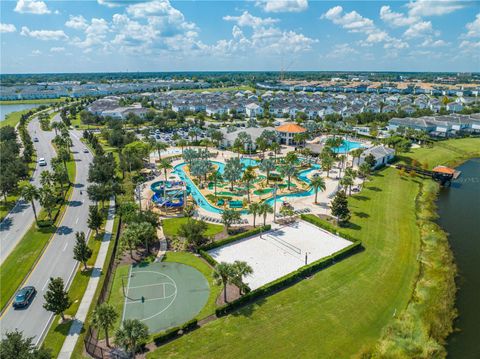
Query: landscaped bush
[(208, 258), (310, 218), (172, 333), (288, 279)]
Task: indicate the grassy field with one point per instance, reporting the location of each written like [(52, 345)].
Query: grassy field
[(341, 311), (171, 226), (28, 249), (34, 101)]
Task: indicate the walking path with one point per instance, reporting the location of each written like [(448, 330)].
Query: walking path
[(75, 329)]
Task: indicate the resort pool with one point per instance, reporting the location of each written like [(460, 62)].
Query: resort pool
[(347, 146), (249, 162)]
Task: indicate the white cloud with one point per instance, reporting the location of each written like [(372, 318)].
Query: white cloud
[(31, 7), (341, 51), (57, 49), (473, 27), (419, 29), (7, 28), (44, 35), (95, 35), (429, 42), (421, 8), (76, 22), (247, 19), (356, 23), (36, 52), (283, 5), (395, 19)]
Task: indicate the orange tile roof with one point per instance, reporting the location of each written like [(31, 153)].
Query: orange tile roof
[(443, 169), (290, 128)]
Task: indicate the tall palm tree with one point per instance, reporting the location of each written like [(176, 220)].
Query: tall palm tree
[(164, 165), (160, 146), (31, 193), (288, 170), (356, 153), (132, 332), (347, 182), (223, 274), (241, 270), (182, 143), (46, 178), (248, 176), (254, 209), (265, 209), (327, 163), (215, 177), (267, 166), (317, 183), (104, 317)]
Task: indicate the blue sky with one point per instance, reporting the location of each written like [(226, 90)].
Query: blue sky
[(161, 35)]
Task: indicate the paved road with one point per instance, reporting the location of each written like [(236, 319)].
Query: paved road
[(21, 217), (57, 259)]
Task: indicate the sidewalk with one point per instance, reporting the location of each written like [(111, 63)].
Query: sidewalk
[(80, 316)]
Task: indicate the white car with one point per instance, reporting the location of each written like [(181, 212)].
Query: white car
[(42, 162)]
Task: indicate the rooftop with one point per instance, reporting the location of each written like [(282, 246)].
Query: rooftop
[(291, 128)]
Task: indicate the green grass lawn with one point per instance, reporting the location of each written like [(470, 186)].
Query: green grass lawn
[(44, 101), (13, 118), (199, 264), (341, 309), (171, 226)]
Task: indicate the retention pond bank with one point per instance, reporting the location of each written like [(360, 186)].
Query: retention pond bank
[(459, 214)]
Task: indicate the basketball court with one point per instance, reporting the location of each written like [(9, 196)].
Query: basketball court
[(278, 252), (164, 295)]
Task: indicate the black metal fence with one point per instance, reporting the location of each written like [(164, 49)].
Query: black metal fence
[(91, 337)]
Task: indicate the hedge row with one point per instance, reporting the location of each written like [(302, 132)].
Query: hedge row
[(236, 237), (174, 332), (326, 226), (288, 279)]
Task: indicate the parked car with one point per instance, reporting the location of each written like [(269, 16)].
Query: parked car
[(24, 297), (35, 139), (42, 162)]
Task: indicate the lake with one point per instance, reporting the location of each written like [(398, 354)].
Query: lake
[(6, 109), (459, 211)]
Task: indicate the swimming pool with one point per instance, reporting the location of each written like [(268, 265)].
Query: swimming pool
[(249, 162), (347, 146)]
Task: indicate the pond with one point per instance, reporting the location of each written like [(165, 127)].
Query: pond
[(459, 212), (7, 109)]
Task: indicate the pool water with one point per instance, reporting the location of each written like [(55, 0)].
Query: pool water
[(249, 162), (347, 146)]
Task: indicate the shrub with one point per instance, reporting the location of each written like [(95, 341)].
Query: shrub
[(174, 332), (236, 237), (310, 218)]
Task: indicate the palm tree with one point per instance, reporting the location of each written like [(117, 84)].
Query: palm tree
[(130, 334), (364, 171), (327, 163), (356, 153), (160, 146), (164, 165), (347, 182), (248, 176), (223, 274), (46, 178), (265, 209), (317, 183), (104, 317), (233, 171), (275, 147), (241, 270), (182, 143), (267, 166), (215, 177), (288, 170), (254, 209), (31, 193)]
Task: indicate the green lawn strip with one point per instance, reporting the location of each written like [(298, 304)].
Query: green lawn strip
[(116, 298), (44, 101), (13, 118), (58, 331), (79, 347), (206, 270), (341, 309), (172, 225)]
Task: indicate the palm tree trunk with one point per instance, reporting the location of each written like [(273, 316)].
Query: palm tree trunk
[(225, 291), (34, 211), (316, 194), (106, 337), (254, 217)]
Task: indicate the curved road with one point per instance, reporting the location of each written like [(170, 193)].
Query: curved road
[(21, 217), (57, 260)]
